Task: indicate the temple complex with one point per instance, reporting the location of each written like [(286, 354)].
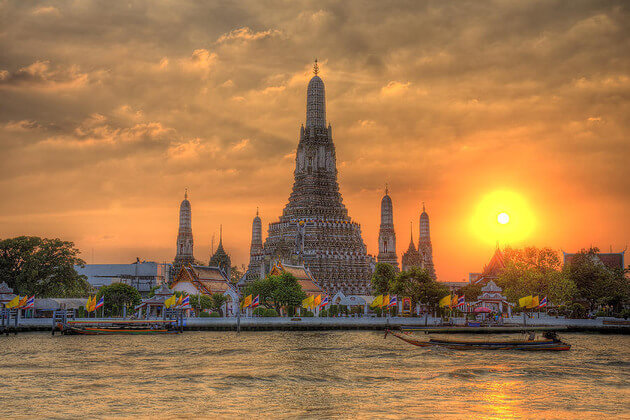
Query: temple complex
[(184, 254), (221, 258), (411, 257), (387, 235), (492, 270), (314, 229)]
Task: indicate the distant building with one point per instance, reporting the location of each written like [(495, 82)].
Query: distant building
[(221, 258), (387, 235), (200, 280), (491, 271), (6, 294), (454, 286), (611, 260), (411, 257), (302, 274), (184, 254), (424, 244), (143, 275)]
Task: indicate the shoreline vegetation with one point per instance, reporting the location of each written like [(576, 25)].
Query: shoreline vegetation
[(583, 289)]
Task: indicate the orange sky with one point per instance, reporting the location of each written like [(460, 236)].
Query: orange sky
[(109, 110)]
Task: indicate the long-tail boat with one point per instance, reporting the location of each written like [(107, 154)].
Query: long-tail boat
[(550, 342), (128, 327)]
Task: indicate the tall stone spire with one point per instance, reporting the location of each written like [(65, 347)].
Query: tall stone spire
[(387, 235), (424, 244), (411, 258), (256, 254), (314, 228), (221, 258), (315, 101), (184, 254)]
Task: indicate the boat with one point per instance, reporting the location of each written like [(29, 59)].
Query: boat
[(126, 327), (549, 342)]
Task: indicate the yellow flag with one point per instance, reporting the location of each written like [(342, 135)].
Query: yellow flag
[(23, 301), (378, 301), (445, 301), (93, 304), (525, 301), (385, 301), (454, 300), (247, 301), (179, 301), (534, 303), (317, 301), (308, 302), (169, 302), (13, 302)]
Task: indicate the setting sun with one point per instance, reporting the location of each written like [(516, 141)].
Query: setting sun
[(503, 216)]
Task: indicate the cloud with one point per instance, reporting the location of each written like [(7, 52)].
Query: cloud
[(40, 75), (246, 34)]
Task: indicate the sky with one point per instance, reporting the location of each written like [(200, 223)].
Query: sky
[(109, 110)]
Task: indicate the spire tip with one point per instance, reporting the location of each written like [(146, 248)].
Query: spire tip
[(315, 68)]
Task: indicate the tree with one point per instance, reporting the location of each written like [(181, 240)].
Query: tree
[(288, 292), (264, 288), (218, 299), (200, 302), (236, 273), (384, 275), (118, 296), (418, 284), (43, 267), (470, 292)]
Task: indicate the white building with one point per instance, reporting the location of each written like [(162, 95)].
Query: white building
[(143, 275)]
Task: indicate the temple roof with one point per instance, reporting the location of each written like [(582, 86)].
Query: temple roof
[(208, 280), (302, 274), (494, 267)]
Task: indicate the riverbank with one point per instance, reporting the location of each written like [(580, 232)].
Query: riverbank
[(428, 324)]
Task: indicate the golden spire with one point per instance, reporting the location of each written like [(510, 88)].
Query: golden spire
[(186, 193), (315, 68), (386, 189)]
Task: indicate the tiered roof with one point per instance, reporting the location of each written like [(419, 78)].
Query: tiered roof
[(207, 280), (302, 274)]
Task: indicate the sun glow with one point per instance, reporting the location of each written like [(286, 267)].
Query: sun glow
[(503, 216)]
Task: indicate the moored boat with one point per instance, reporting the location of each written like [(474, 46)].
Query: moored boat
[(550, 342), (127, 327)]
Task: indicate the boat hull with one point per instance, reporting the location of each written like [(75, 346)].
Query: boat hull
[(118, 331), (540, 345)]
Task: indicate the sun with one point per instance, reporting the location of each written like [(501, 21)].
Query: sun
[(504, 216)]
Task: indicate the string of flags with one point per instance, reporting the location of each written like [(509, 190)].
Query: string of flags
[(384, 301), (179, 302), (532, 302), (21, 302)]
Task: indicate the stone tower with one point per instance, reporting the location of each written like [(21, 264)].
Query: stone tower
[(424, 244), (386, 235), (314, 228), (184, 254), (411, 258), (256, 254), (221, 258)]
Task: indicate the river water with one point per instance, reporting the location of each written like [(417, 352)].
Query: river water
[(306, 374)]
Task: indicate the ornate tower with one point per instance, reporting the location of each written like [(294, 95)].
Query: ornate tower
[(221, 258), (184, 255), (256, 254), (315, 228), (412, 257), (386, 235), (424, 244)]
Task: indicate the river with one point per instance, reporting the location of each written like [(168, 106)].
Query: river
[(306, 374)]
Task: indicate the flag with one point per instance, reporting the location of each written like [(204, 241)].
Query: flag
[(100, 303), (461, 301), (378, 300), (180, 300), (324, 301), (89, 305), (22, 302), (393, 301), (186, 302), (445, 301), (543, 302), (525, 301), (256, 301), (317, 301), (30, 303), (247, 301), (534, 303), (385, 301), (13, 302), (454, 301), (308, 302), (170, 301)]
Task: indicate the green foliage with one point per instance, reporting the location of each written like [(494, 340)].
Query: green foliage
[(214, 315), (384, 275), (307, 314), (200, 302), (277, 291), (204, 315), (236, 273), (418, 284), (264, 288), (259, 311), (271, 313), (42, 267), (470, 292), (356, 310), (333, 311), (118, 296), (577, 311), (323, 313), (378, 311), (217, 302), (596, 284)]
